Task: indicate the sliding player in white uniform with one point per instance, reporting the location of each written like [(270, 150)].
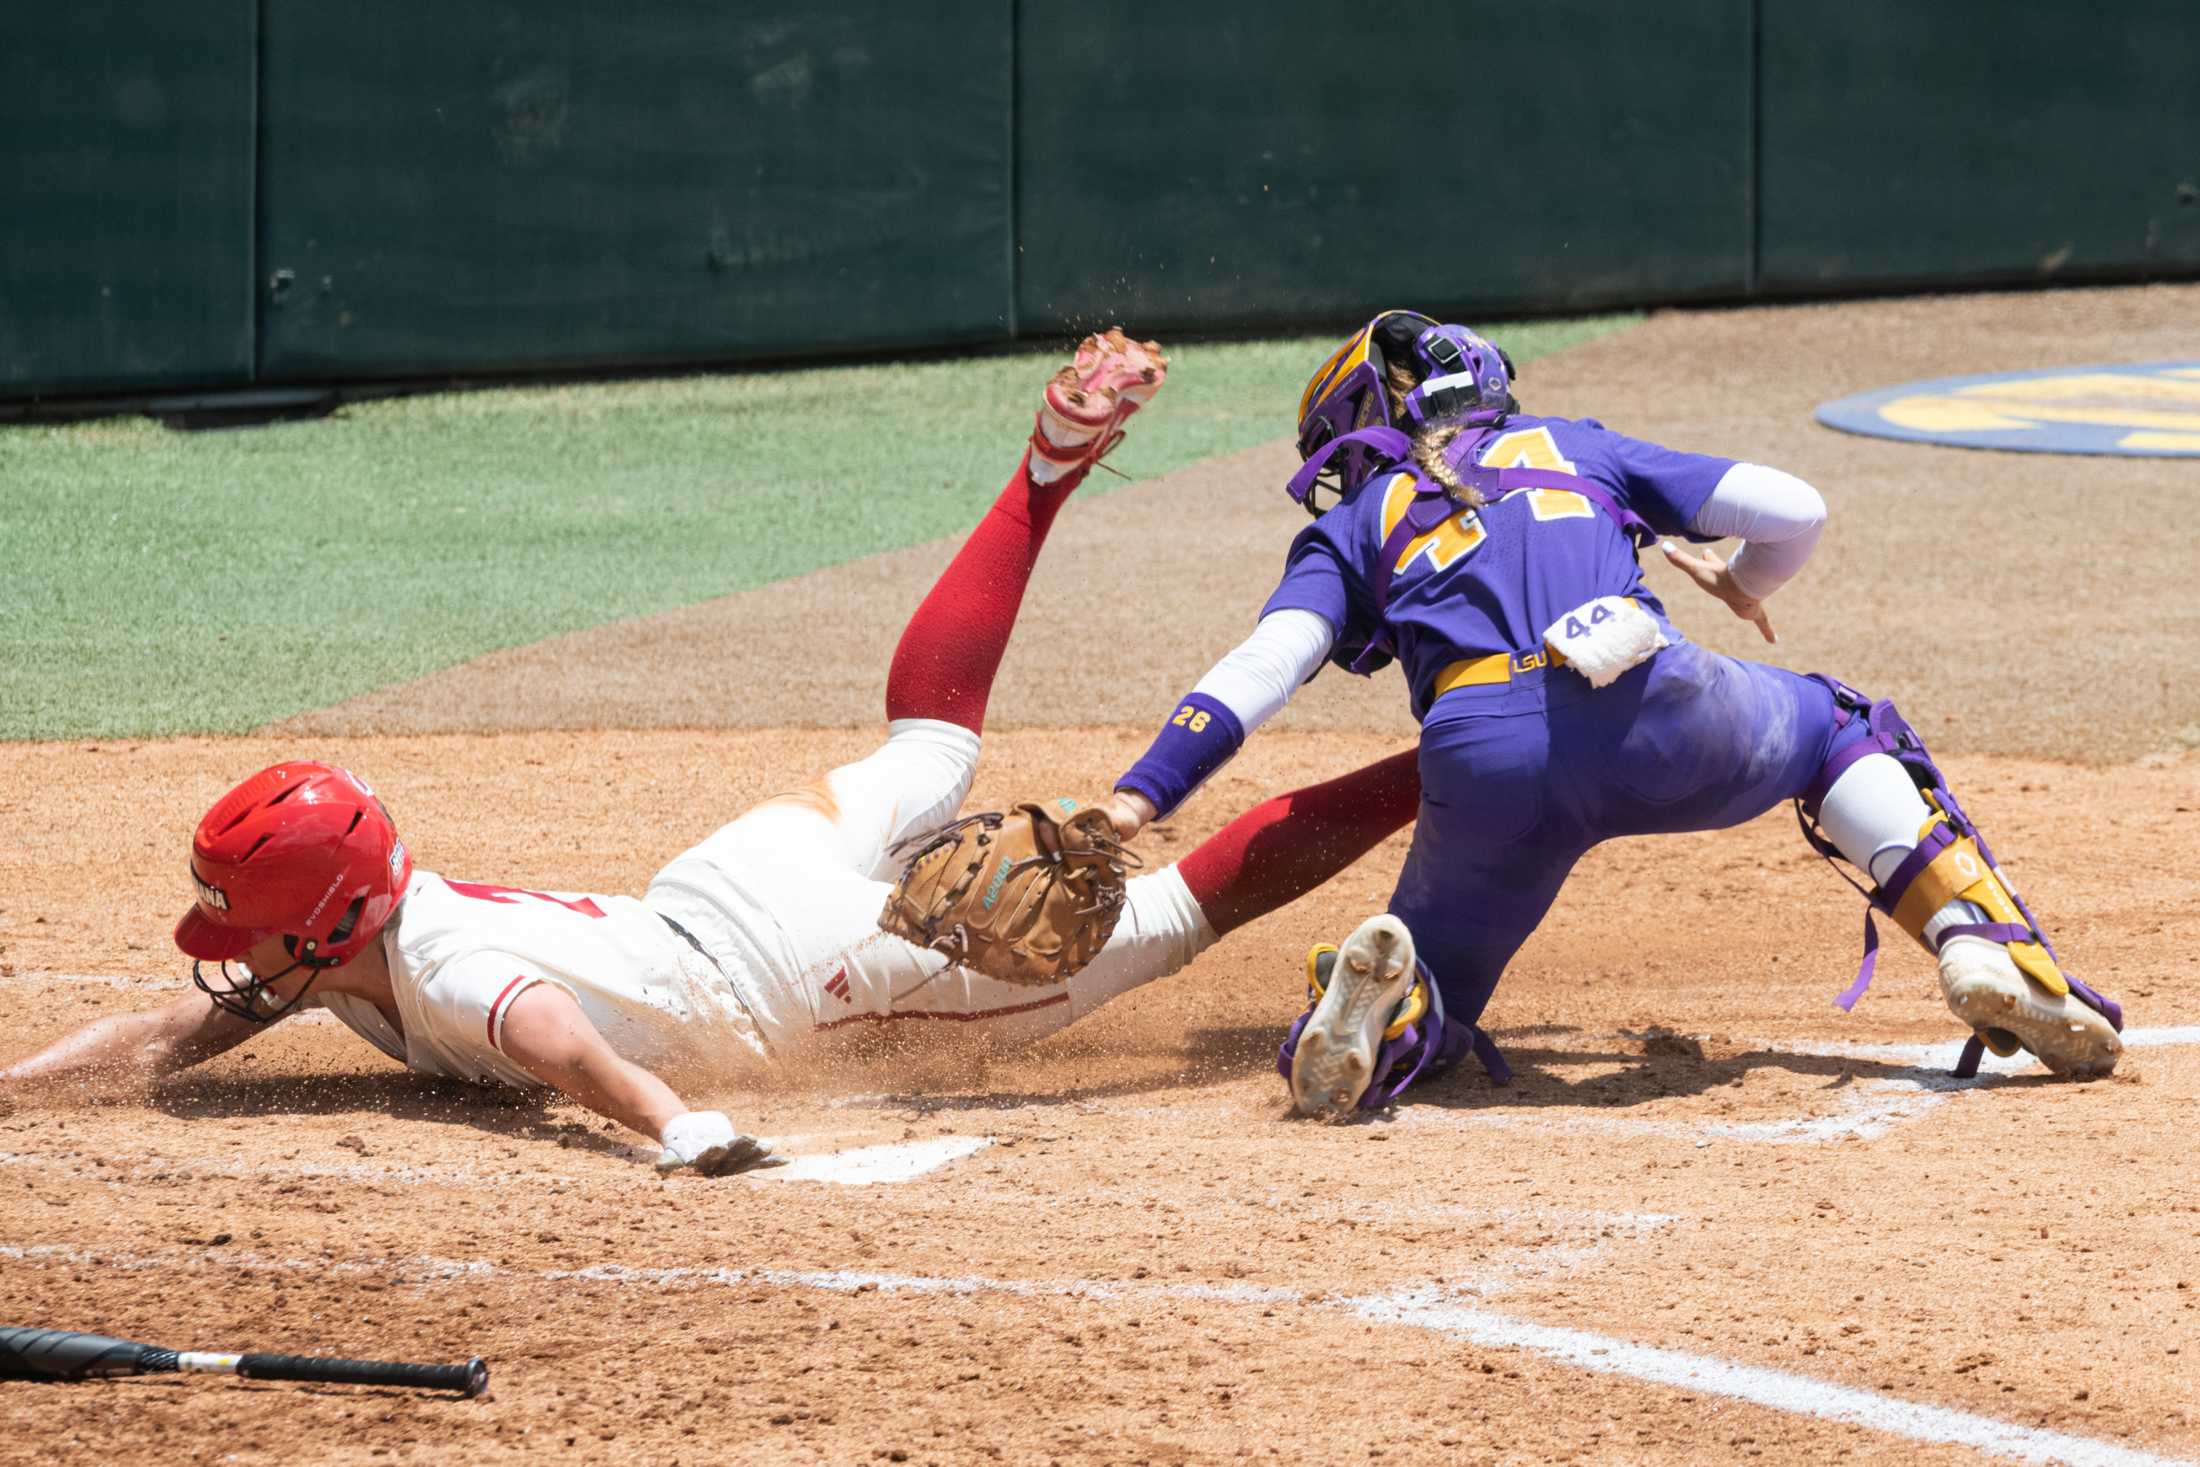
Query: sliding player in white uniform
[(744, 948)]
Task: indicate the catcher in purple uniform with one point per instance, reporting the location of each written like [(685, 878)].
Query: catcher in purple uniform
[(1492, 554)]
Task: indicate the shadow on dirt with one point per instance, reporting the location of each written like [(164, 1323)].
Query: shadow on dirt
[(1195, 1060), (1659, 1064), (1655, 1065), (1652, 1066), (521, 1115)]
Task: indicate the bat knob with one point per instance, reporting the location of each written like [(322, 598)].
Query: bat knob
[(477, 1376)]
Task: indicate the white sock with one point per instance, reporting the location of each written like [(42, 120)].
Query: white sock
[(1872, 814), (1064, 436)]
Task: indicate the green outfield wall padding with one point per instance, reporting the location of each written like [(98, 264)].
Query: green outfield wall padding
[(1939, 144), (230, 193), (501, 185), (1250, 164), (125, 195)]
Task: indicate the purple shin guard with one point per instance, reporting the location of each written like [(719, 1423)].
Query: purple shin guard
[(1887, 732), (1429, 1046)]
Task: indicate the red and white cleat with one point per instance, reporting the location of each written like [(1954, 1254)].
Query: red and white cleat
[(1082, 412)]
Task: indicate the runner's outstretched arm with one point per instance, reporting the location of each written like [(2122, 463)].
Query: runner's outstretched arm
[(549, 1036), (128, 1052)]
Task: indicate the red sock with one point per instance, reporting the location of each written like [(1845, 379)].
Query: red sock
[(1283, 848), (944, 665)]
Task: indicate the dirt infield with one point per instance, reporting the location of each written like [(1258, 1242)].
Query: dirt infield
[(1713, 1219), (1148, 1262)]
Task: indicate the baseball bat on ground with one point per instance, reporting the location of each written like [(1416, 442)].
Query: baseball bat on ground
[(56, 1354)]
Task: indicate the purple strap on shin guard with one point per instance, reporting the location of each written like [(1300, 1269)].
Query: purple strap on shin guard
[(2105, 1006), (1884, 900), (1974, 1050), (1846, 1003), (1291, 1043), (1493, 1061), (1426, 1049), (1815, 795), (1887, 732), (1992, 931)]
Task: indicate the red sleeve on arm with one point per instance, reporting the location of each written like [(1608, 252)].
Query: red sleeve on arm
[(1283, 848)]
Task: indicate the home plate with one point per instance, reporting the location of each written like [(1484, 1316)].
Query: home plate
[(863, 1166)]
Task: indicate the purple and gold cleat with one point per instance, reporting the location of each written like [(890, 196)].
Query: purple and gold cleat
[(1363, 994), (1375, 1026)]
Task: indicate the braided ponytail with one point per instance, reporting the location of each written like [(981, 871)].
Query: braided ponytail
[(1431, 441)]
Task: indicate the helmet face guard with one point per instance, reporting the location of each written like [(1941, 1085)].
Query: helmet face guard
[(1348, 394), (1462, 377), (302, 850), (251, 998)]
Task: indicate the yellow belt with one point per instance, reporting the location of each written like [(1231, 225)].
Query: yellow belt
[(1498, 668), (1495, 669)]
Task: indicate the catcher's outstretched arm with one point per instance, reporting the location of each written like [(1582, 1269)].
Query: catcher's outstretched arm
[(1208, 725), (1777, 518)]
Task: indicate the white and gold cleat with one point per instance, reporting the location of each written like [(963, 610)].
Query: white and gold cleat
[(1360, 987), (1986, 991)]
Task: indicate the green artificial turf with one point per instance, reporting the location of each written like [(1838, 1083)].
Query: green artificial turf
[(154, 582)]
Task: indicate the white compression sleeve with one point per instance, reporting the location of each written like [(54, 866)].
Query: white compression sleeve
[(1776, 516), (1259, 676)]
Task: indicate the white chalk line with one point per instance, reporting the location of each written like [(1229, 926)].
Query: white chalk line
[(1942, 1056), (1778, 1390), (1433, 1307), (1865, 1113), (865, 1166), (859, 1166)]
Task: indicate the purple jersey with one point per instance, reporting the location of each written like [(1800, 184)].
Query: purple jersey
[(1494, 579)]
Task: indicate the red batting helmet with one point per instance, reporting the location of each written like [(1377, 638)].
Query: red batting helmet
[(303, 849)]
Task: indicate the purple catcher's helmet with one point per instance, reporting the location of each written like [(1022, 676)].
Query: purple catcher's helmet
[(1463, 378)]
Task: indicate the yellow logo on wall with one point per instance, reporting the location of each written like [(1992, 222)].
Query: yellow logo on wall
[(2151, 409)]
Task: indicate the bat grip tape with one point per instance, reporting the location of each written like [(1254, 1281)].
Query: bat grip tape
[(471, 1378)]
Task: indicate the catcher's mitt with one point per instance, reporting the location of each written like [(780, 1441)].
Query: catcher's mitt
[(1027, 896)]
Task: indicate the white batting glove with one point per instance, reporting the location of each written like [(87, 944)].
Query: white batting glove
[(707, 1141)]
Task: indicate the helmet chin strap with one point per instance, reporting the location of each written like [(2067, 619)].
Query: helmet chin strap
[(243, 999)]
